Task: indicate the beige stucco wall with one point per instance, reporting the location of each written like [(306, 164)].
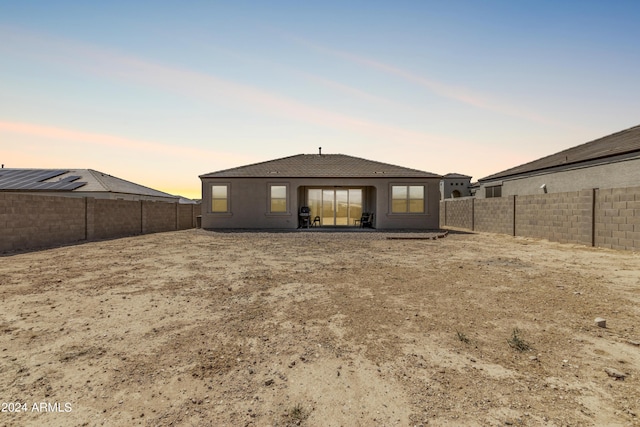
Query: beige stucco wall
[(249, 202), (449, 185)]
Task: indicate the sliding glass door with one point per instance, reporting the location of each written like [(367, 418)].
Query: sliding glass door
[(335, 206)]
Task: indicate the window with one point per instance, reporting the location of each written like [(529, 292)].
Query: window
[(277, 198), (407, 198), (220, 198), (493, 191)]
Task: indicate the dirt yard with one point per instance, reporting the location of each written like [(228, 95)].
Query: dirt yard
[(199, 328)]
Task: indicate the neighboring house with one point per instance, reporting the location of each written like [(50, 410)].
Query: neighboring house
[(185, 201), (77, 183), (609, 162), (337, 190), (473, 188), (454, 185)]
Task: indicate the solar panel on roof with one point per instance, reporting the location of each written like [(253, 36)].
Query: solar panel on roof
[(70, 178), (22, 178), (35, 179)]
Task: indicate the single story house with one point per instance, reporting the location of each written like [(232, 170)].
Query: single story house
[(612, 161), (323, 190), (77, 183)]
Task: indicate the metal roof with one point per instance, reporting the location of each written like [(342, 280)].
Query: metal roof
[(619, 143), (320, 166)]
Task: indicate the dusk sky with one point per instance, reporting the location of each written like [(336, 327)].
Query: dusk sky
[(159, 92)]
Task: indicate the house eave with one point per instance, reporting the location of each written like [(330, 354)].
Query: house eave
[(621, 157)]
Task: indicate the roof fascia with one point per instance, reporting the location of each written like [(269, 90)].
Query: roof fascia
[(564, 167)]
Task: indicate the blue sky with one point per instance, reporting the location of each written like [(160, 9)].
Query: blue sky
[(160, 92)]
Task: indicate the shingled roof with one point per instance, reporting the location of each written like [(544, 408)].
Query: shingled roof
[(75, 180), (620, 143), (320, 166)]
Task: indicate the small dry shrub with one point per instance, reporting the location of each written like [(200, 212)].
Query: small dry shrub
[(295, 416), (517, 342), (462, 337)]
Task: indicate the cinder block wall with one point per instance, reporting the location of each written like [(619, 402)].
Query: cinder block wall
[(38, 221), (158, 217), (560, 217), (115, 218), (30, 221), (608, 218), (617, 218), (187, 216), (459, 213), (494, 215)]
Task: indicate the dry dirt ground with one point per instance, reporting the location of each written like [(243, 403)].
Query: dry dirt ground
[(319, 329)]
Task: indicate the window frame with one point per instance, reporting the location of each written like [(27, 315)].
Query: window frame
[(491, 190), (227, 187), (270, 199), (408, 199)]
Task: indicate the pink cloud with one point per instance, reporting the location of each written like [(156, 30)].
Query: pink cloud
[(110, 141), (116, 65), (458, 93)]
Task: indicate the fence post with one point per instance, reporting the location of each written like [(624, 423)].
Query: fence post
[(473, 214), (514, 215), (142, 218), (445, 213), (86, 218), (593, 216), (89, 218), (177, 216)]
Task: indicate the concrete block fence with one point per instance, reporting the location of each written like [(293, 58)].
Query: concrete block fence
[(608, 218), (29, 221)]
